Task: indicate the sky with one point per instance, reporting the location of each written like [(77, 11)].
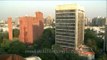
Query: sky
[(19, 8)]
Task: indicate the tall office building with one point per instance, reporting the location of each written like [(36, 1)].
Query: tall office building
[(69, 32)]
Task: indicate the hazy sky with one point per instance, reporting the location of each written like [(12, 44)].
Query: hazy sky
[(22, 8)]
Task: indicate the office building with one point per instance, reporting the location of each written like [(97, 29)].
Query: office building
[(69, 32)]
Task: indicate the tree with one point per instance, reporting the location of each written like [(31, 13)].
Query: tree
[(102, 57), (47, 39), (5, 35), (56, 47), (5, 44), (16, 33), (52, 55), (92, 40), (47, 56), (17, 47), (2, 51), (1, 37)]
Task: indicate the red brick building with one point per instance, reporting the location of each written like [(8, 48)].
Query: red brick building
[(31, 28), (10, 28)]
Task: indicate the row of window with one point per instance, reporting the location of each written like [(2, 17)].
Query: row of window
[(67, 41), (66, 34), (65, 21), (66, 14), (64, 30), (70, 43), (65, 17), (66, 44), (65, 11), (66, 37), (65, 24), (65, 27)]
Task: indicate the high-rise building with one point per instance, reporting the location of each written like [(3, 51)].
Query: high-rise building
[(98, 21), (10, 28), (31, 28), (69, 32)]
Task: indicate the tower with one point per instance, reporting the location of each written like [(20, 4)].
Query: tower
[(69, 32), (31, 28), (10, 28)]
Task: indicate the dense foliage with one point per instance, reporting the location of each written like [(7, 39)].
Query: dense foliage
[(46, 42), (16, 33), (96, 43)]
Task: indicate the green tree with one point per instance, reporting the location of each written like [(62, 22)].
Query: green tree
[(92, 40), (17, 47), (2, 51), (1, 38), (47, 39), (5, 44), (5, 35), (102, 57), (56, 47), (16, 33)]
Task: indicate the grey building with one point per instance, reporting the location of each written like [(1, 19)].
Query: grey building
[(69, 30), (98, 21)]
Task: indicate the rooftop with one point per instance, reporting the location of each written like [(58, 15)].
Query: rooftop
[(69, 6)]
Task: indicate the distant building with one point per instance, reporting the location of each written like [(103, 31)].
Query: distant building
[(4, 25), (10, 28), (87, 21), (98, 30), (98, 21), (48, 21), (69, 32), (31, 28)]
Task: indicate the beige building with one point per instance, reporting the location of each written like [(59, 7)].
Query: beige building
[(48, 21), (69, 32)]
